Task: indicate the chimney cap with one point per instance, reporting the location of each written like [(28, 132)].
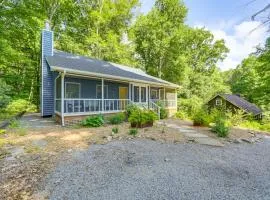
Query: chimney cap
[(47, 25)]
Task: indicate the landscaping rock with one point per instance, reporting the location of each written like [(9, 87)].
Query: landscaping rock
[(248, 140), (109, 138), (209, 141), (237, 141)]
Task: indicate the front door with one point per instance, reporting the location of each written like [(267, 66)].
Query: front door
[(123, 94)]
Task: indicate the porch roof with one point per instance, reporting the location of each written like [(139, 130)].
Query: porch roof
[(70, 63)]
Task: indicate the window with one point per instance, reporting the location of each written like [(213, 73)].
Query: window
[(218, 102), (99, 92), (136, 94), (143, 94), (73, 90), (154, 94)]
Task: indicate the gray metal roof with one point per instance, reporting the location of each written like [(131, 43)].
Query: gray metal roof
[(84, 64), (242, 103)]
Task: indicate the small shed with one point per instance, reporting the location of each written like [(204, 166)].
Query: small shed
[(234, 102)]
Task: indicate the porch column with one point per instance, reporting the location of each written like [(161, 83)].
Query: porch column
[(129, 91), (102, 94), (62, 98), (164, 93), (140, 94), (176, 98)]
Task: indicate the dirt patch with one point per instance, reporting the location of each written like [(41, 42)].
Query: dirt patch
[(42, 148)]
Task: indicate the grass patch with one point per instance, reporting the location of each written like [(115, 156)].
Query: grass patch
[(115, 130), (14, 124), (255, 125), (3, 142), (2, 131), (31, 149)]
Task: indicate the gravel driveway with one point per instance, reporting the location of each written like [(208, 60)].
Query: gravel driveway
[(144, 169)]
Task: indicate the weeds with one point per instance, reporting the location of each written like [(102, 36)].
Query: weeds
[(133, 131)]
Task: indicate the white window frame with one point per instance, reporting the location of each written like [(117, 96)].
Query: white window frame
[(101, 91), (218, 102), (156, 91), (74, 83)]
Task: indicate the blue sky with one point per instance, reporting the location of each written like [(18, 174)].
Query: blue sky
[(226, 19)]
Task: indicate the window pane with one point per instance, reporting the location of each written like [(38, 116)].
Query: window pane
[(99, 92), (143, 94), (136, 94), (154, 94), (72, 90)]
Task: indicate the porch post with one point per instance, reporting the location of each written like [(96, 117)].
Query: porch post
[(102, 94), (164, 93), (140, 94), (176, 98), (62, 98), (129, 91)]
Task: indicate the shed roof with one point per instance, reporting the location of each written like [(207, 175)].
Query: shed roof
[(242, 103), (85, 65)]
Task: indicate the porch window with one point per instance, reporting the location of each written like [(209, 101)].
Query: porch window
[(154, 94), (136, 94), (99, 92), (73, 90), (143, 94)]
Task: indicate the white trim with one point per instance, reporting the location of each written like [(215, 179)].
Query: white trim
[(102, 94), (92, 113), (101, 90), (74, 83), (55, 82), (62, 99), (157, 94), (219, 102), (110, 76)]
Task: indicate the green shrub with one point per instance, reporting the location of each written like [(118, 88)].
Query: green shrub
[(14, 124), (163, 111), (181, 115), (20, 105), (2, 131), (131, 108), (115, 130), (201, 118), (142, 117), (117, 119), (133, 131), (221, 127), (93, 121), (190, 105), (256, 125)]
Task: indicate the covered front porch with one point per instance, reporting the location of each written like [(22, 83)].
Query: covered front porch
[(83, 96)]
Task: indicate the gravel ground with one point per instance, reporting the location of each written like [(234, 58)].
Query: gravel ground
[(144, 169)]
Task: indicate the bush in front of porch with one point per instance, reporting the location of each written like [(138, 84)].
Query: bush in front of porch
[(93, 121), (142, 118)]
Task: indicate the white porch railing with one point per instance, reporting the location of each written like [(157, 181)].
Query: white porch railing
[(166, 103), (154, 107), (91, 105)]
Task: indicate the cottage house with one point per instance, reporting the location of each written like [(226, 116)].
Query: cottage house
[(75, 86)]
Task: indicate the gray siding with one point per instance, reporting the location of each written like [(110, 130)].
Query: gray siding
[(47, 88), (88, 87)]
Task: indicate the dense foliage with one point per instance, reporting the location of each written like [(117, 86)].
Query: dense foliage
[(159, 42)]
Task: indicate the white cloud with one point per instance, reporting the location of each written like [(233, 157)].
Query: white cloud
[(241, 39)]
